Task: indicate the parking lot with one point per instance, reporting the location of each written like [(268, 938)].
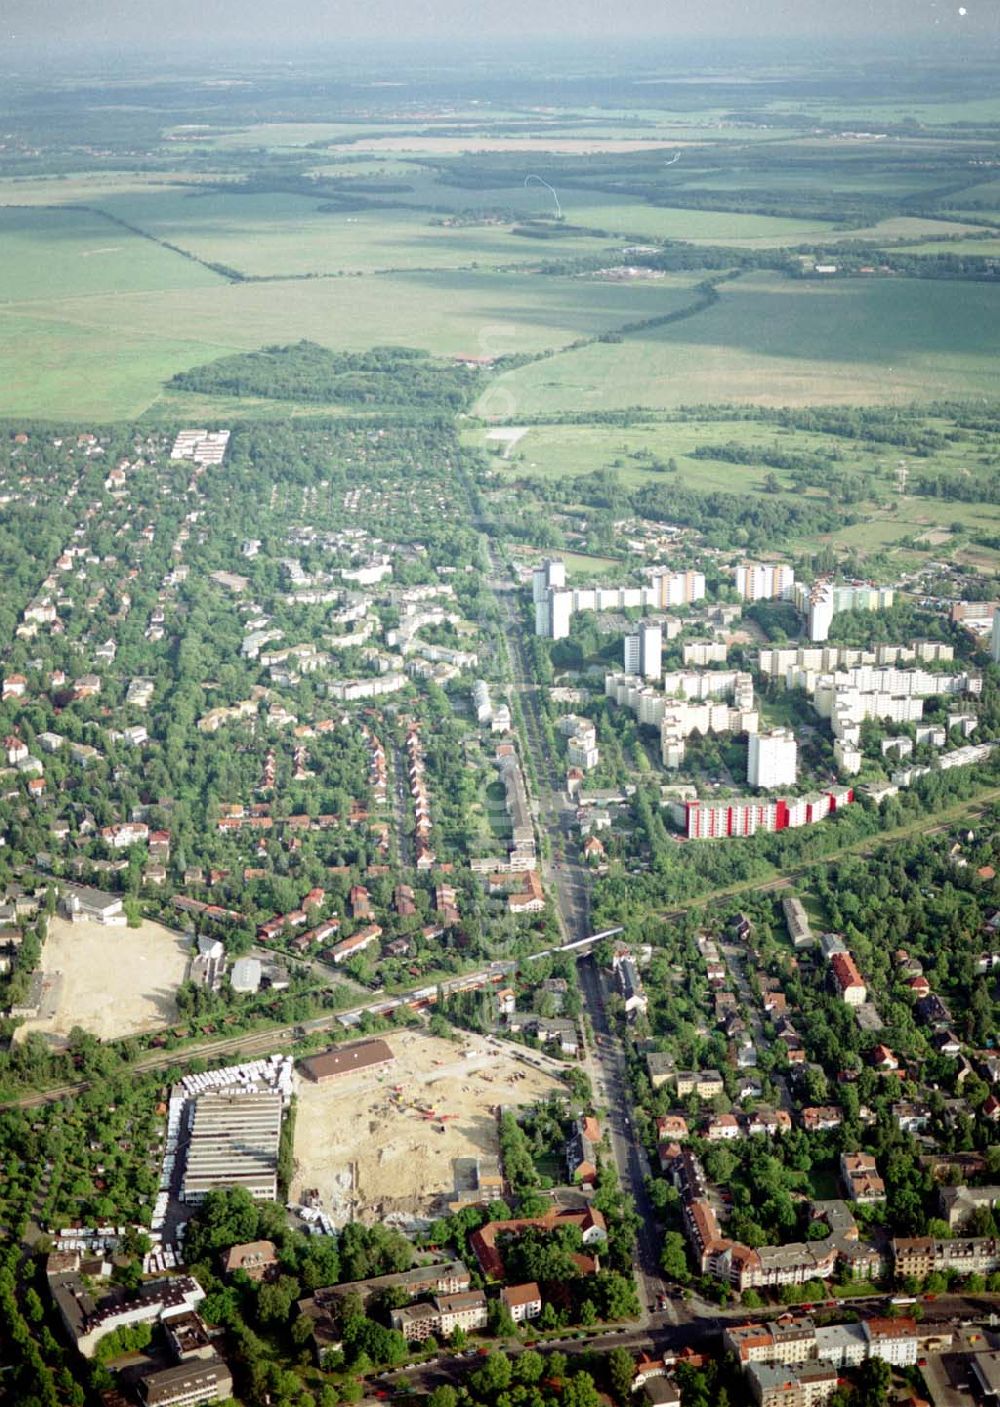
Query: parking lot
[(949, 1376)]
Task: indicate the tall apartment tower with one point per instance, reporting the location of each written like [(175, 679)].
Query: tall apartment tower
[(677, 588), (821, 610), (772, 758), (763, 581), (644, 651), (551, 573), (995, 639), (553, 613)]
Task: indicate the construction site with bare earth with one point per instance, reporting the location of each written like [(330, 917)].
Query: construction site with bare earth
[(398, 1139), (111, 982)]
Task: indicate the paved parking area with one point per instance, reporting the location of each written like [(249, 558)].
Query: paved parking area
[(946, 1374), (942, 1373)]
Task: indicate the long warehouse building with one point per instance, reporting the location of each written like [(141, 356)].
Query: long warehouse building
[(234, 1143)]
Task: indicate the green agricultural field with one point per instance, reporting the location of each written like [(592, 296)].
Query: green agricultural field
[(276, 235), (985, 248), (869, 113), (619, 216), (276, 136), (91, 187), (841, 178), (739, 230), (909, 227), (270, 136), (74, 254), (94, 318), (922, 518), (56, 369), (109, 355), (775, 341), (986, 191), (443, 198), (347, 167)]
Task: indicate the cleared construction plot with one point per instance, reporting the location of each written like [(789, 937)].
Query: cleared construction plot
[(110, 981), (368, 1144)]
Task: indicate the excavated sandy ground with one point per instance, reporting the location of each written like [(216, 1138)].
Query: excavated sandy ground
[(110, 981), (363, 1144)]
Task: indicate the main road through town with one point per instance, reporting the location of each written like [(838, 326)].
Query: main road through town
[(566, 879), (704, 1333)]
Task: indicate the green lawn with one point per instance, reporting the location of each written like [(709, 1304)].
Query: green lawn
[(583, 564), (823, 1183)]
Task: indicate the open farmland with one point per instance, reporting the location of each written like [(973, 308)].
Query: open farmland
[(109, 355), (732, 228), (982, 248), (365, 1145), (288, 236), (774, 341), (74, 253), (88, 188), (930, 524), (111, 982), (254, 223), (478, 142)]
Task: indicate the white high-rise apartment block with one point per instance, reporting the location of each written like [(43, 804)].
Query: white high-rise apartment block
[(820, 610), (822, 601), (777, 662), (553, 615), (678, 588), (772, 759), (763, 581), (644, 651), (561, 612), (651, 649), (995, 640), (702, 652), (552, 572)]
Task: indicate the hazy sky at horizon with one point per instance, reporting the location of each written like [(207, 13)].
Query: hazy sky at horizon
[(284, 22)]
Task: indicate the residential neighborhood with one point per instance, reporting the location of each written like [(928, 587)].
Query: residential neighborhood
[(480, 992)]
